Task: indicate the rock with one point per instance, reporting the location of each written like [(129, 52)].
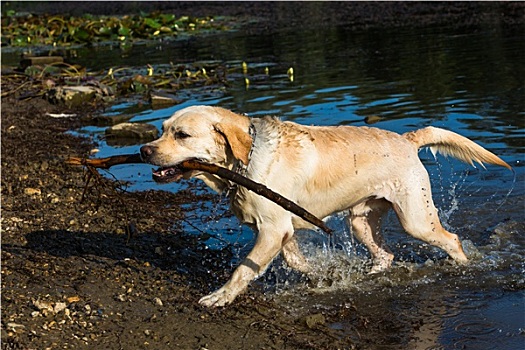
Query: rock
[(33, 61), (32, 191), (73, 96), (157, 301), (8, 70), (314, 320), (48, 308), (14, 326), (373, 119), (121, 297), (160, 99), (131, 133), (107, 120), (73, 299), (59, 306), (44, 306)]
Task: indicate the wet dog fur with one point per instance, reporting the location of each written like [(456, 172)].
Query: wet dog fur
[(366, 171)]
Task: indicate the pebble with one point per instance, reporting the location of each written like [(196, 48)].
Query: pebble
[(314, 320), (158, 301), (30, 191), (73, 299), (43, 306), (373, 119), (60, 306)]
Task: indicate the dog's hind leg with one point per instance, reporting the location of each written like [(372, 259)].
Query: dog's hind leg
[(419, 217), (294, 258), (366, 220)]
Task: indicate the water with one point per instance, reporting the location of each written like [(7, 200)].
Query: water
[(472, 82)]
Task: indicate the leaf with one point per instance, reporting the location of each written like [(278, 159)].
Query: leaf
[(57, 19), (150, 22), (138, 87), (167, 18), (105, 31), (123, 31), (32, 71), (81, 35), (141, 79), (163, 83), (21, 40)]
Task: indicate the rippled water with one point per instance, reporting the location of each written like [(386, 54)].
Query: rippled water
[(470, 82)]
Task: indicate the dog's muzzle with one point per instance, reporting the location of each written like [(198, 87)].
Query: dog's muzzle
[(164, 174)]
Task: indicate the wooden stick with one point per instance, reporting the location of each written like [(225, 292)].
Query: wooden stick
[(106, 163)]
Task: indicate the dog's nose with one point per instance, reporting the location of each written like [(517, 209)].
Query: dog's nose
[(146, 151)]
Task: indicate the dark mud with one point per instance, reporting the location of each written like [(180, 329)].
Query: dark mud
[(116, 271)]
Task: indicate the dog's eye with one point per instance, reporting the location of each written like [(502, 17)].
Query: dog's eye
[(181, 135)]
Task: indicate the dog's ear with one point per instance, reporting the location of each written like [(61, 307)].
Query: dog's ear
[(240, 142)]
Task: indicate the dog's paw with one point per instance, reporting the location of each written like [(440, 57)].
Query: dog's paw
[(218, 298), (378, 269), (381, 264)]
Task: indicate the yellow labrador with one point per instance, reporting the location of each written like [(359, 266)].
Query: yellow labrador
[(323, 169)]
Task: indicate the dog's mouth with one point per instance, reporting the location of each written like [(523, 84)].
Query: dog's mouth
[(168, 174)]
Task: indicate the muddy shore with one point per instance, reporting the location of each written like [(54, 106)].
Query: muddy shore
[(75, 275), (116, 270)]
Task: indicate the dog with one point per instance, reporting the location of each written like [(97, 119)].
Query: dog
[(324, 169)]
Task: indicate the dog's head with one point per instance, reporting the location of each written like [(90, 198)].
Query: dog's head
[(210, 134)]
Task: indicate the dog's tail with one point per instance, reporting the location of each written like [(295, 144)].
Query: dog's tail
[(449, 143)]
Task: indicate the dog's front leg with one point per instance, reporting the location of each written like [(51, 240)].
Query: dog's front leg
[(267, 246)]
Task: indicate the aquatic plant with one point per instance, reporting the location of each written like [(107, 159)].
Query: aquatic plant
[(60, 30)]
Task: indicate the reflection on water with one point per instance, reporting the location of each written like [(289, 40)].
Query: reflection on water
[(472, 83)]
